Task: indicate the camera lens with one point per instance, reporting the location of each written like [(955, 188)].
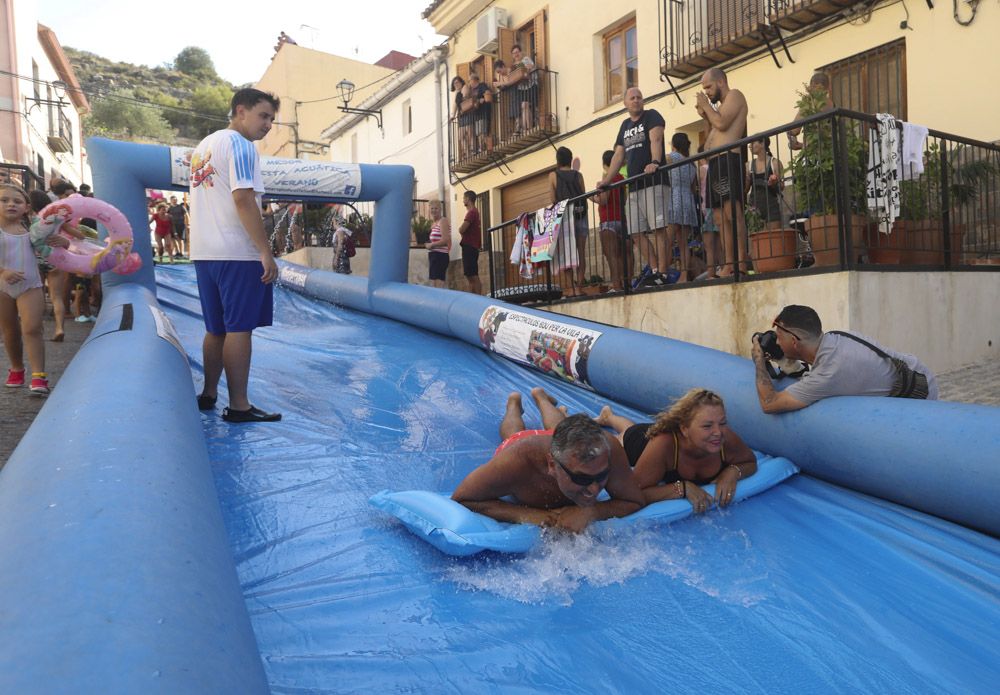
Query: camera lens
[(769, 344)]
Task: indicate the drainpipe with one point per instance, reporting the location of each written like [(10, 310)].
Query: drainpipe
[(438, 134)]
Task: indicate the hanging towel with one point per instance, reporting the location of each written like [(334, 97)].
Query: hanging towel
[(883, 171), (547, 221), (914, 138), (566, 255), (520, 254)]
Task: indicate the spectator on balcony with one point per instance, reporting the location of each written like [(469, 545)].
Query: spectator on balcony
[(564, 183), (639, 146), (553, 476), (609, 211), (682, 216), (842, 364), (508, 105), (523, 75), (725, 111), (471, 233), (710, 241), (439, 245), (819, 83), (482, 97), (462, 115), (766, 183)]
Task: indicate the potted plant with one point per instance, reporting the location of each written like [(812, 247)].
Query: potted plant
[(813, 171), (921, 218), (771, 249), (421, 227)]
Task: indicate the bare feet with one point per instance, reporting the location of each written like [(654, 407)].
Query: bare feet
[(514, 402), (563, 409), (604, 418), (538, 393)]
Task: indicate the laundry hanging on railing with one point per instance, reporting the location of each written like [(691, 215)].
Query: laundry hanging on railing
[(884, 168), (520, 254), (548, 222), (914, 138)]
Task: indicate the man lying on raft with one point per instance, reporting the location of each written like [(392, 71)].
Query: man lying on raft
[(553, 475), (688, 446)]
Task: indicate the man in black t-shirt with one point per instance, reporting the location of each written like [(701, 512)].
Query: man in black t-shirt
[(639, 146), (179, 216)]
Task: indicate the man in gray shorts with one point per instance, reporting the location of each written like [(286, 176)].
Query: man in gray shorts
[(842, 364), (640, 146)]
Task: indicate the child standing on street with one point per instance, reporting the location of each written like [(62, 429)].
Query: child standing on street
[(21, 300)]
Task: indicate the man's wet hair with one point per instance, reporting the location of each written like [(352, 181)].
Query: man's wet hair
[(250, 97), (804, 318), (580, 436), (564, 157), (716, 74)]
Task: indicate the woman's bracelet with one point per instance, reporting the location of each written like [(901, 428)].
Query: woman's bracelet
[(739, 471)]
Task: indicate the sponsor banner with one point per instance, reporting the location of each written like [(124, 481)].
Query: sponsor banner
[(557, 349), (293, 277), (297, 177)]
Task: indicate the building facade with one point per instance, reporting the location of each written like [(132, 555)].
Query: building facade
[(41, 103), (916, 62)]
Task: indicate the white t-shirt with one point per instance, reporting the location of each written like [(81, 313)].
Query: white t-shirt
[(845, 367), (223, 162)]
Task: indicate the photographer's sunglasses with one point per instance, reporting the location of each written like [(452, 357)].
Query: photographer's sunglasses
[(775, 324), (583, 479)]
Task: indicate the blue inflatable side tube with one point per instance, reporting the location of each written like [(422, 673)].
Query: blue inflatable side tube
[(937, 457), (115, 557)]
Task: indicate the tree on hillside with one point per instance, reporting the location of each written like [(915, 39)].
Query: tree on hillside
[(194, 61), (123, 119), (211, 101)]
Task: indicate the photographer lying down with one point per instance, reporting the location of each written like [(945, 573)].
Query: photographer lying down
[(840, 364)]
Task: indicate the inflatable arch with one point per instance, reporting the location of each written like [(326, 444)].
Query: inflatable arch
[(118, 573)]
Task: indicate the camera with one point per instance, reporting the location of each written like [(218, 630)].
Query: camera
[(769, 344)]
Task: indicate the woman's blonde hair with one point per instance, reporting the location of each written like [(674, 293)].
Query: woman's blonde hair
[(682, 412), (7, 185)]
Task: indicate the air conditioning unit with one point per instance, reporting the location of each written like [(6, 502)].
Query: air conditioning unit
[(487, 29)]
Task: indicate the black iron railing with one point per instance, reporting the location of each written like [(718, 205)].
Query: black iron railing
[(511, 118), (22, 175), (803, 198)]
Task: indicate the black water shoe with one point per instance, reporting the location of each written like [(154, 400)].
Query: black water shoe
[(252, 415)]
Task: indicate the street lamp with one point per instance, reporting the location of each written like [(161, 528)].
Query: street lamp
[(59, 89), (346, 89)]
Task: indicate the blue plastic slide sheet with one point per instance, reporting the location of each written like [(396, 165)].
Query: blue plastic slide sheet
[(806, 587)]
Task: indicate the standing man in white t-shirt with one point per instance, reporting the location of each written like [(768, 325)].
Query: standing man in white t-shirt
[(231, 252)]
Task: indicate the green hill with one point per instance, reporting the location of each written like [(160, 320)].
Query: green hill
[(174, 104)]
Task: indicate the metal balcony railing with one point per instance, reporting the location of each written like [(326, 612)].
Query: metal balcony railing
[(699, 34), (516, 117), (811, 209), (21, 175)]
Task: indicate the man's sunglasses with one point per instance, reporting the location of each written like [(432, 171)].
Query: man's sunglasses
[(775, 324), (583, 479)]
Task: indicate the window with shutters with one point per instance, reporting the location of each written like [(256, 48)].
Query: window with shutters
[(871, 82), (621, 61)]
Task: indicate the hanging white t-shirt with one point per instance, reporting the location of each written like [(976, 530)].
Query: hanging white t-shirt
[(223, 162)]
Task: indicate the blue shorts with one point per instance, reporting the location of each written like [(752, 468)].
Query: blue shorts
[(233, 299)]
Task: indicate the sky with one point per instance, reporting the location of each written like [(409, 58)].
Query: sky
[(240, 37)]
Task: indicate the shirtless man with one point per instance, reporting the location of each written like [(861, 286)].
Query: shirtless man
[(554, 475), (818, 83), (725, 111)]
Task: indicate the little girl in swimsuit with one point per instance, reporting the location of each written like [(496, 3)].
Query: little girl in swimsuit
[(687, 446), (21, 300)]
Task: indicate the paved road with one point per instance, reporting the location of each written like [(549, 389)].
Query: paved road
[(976, 384)]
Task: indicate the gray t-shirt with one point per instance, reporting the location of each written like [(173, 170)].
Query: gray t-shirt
[(845, 367)]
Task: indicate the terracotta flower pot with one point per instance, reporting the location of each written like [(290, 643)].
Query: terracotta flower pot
[(824, 236), (773, 249), (886, 249)]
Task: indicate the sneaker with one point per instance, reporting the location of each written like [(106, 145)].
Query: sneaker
[(15, 379), (92, 319), (82, 319), (643, 276), (39, 387)]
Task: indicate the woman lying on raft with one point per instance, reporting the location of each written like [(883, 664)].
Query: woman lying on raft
[(688, 446)]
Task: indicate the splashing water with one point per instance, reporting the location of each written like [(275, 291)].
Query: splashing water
[(702, 554)]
